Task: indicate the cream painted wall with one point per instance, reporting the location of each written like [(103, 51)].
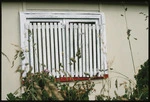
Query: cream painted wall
[(117, 43), (118, 52), (10, 35)]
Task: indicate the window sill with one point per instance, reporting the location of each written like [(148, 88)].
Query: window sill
[(69, 79)]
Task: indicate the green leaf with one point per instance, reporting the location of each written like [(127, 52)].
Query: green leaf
[(43, 65), (141, 13), (87, 74), (116, 83), (116, 94), (128, 31), (22, 58), (70, 63), (26, 64), (29, 32), (10, 96), (5, 56), (78, 53), (73, 60), (12, 64), (111, 68), (60, 64)]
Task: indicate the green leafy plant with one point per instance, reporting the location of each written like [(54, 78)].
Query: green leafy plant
[(37, 86), (5, 56), (142, 87), (44, 86), (139, 92)]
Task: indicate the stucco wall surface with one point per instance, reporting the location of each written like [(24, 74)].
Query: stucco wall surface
[(118, 50)]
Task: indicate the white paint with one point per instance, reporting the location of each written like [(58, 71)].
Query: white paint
[(83, 31)]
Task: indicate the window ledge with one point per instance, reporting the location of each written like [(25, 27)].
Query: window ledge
[(69, 79)]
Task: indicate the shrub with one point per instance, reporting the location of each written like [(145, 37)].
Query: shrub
[(42, 86), (140, 92), (142, 79)]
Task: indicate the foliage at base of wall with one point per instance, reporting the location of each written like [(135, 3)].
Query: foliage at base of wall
[(142, 80), (140, 92), (41, 86)]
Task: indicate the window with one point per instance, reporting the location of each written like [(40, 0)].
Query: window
[(67, 44)]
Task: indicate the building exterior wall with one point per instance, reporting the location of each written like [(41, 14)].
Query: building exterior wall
[(118, 51)]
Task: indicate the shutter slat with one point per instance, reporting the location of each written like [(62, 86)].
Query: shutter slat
[(90, 48), (67, 50), (83, 50), (56, 49), (39, 47), (80, 59), (64, 49), (48, 47), (98, 49), (94, 50), (60, 47), (44, 47), (75, 49), (71, 50), (52, 48), (87, 47), (35, 47)]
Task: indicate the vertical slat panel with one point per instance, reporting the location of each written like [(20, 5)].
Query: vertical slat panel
[(56, 49), (67, 50), (31, 47), (48, 47), (44, 46), (64, 48), (35, 53), (90, 50), (52, 48), (94, 50), (53, 44), (71, 49), (80, 46), (39, 47), (75, 49), (87, 47), (60, 46), (83, 50), (98, 49)]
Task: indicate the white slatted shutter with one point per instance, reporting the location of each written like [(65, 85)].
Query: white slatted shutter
[(53, 45)]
